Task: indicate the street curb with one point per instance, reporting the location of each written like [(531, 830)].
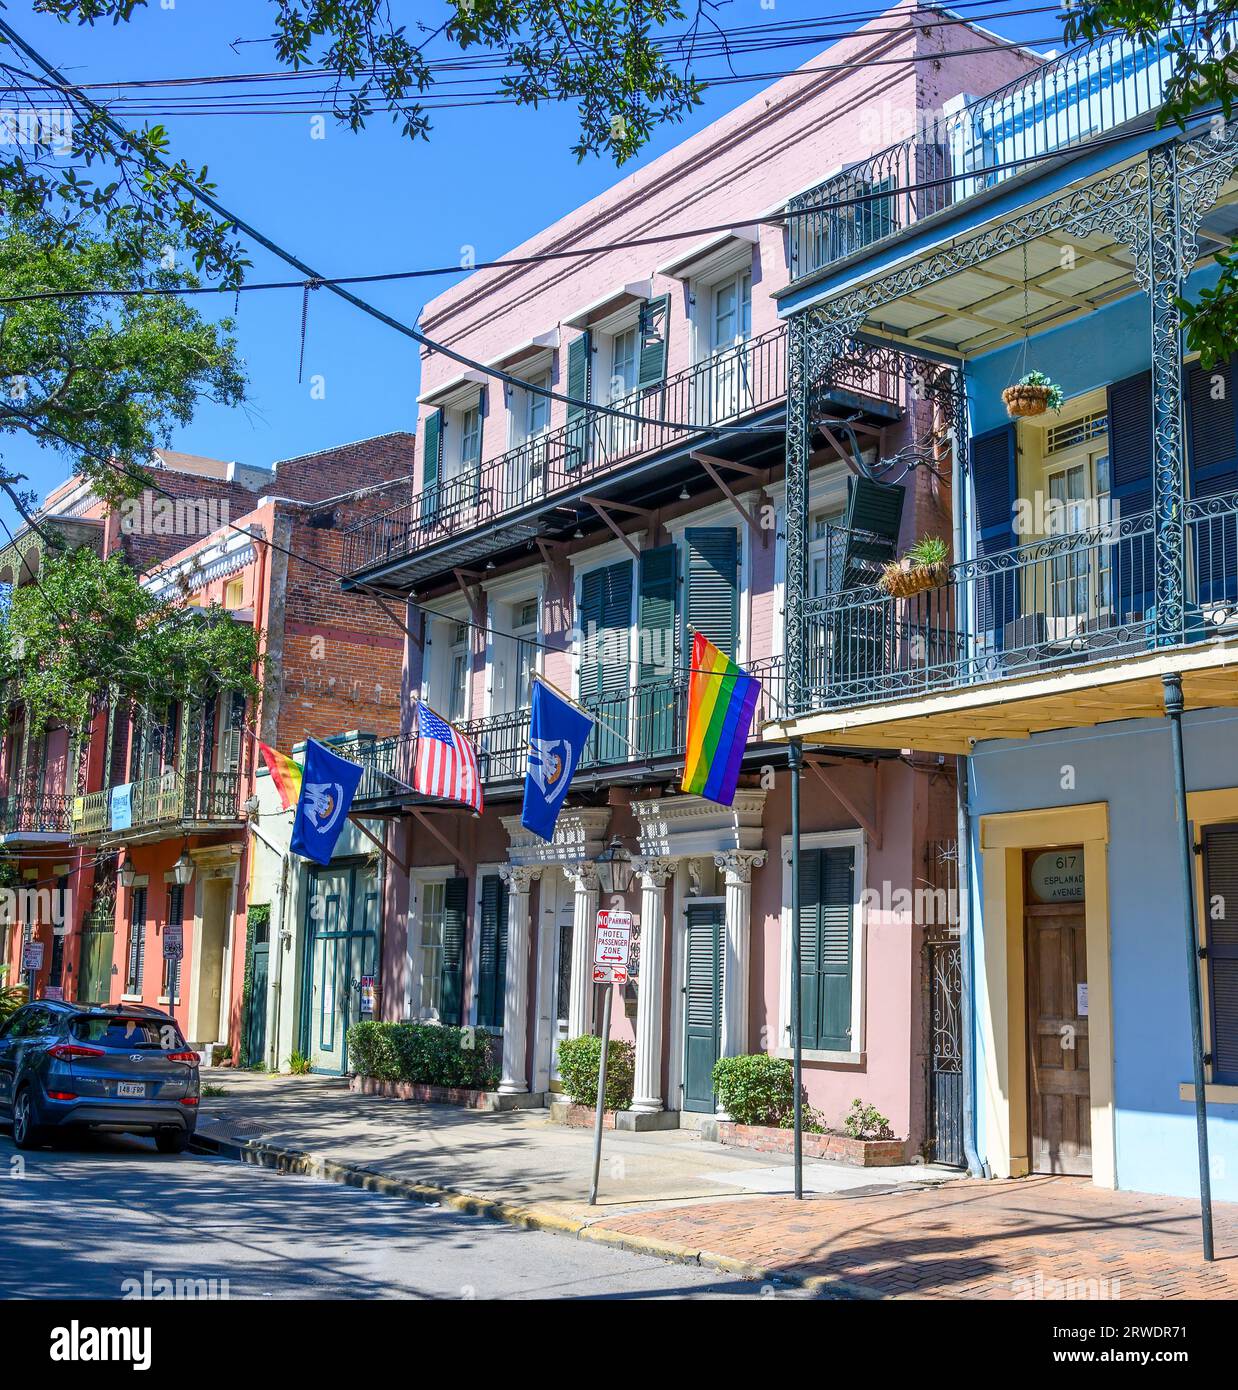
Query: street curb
[(526, 1218)]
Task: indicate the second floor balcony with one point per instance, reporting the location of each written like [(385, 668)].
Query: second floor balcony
[(173, 803), (34, 817), (1058, 631)]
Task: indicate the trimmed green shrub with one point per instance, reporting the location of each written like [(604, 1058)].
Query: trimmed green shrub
[(756, 1089), (866, 1122), (428, 1054), (579, 1062)]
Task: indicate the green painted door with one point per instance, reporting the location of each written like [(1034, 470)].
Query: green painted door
[(94, 979), (702, 1005), (256, 1004), (342, 932)]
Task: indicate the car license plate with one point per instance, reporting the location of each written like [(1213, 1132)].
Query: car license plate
[(134, 1089)]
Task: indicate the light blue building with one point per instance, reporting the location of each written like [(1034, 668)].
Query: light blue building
[(1089, 617)]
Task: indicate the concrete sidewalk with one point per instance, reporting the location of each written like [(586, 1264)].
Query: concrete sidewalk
[(871, 1233)]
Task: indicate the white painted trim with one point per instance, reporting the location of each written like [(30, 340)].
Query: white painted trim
[(635, 290), (684, 260), (418, 877), (824, 839)]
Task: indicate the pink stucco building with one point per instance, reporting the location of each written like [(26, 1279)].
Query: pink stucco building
[(546, 535)]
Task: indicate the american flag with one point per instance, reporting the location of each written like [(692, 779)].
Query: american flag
[(446, 764)]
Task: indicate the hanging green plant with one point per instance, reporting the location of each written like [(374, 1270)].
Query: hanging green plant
[(1033, 394), (926, 565)]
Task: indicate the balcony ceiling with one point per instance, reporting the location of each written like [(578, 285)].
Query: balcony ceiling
[(993, 304), (1082, 696)]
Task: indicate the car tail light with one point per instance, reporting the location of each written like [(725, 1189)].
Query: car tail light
[(191, 1057), (62, 1095), (189, 1100), (65, 1052)]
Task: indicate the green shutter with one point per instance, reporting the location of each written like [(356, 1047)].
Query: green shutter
[(712, 605), (655, 317), (492, 953), (455, 912), (827, 905), (605, 669), (431, 463), (655, 695), (702, 1005), (579, 379)]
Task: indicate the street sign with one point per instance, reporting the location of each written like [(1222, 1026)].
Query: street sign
[(173, 941), (613, 943), (367, 996), (610, 974), (32, 956)]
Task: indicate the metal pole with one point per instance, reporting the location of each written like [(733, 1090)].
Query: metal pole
[(795, 755), (1186, 862), (600, 1113)]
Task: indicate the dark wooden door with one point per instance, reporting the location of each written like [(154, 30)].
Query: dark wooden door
[(702, 1005), (1059, 1099)]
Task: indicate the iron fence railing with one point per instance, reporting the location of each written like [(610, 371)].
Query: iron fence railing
[(1068, 599), (645, 724), (727, 386), (1091, 89), (34, 813), (203, 798)]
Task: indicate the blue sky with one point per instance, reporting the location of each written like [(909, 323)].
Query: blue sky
[(363, 203)]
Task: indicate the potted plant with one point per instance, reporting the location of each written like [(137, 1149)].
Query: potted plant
[(1032, 394), (925, 566)]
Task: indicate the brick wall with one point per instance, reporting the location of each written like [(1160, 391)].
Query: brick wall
[(349, 467)]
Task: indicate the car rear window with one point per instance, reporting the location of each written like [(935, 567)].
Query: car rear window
[(122, 1031)]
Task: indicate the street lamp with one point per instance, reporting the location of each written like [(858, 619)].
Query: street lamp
[(127, 873), (182, 870), (615, 871)]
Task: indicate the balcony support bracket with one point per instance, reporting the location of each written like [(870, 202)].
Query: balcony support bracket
[(369, 835), (472, 595), (865, 809), (610, 522), (711, 466), (423, 820)]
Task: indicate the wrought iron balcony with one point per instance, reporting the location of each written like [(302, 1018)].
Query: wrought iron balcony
[(519, 483), (1068, 600), (644, 727), (170, 803), (1087, 91), (34, 815)]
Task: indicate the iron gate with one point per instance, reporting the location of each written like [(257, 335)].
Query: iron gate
[(944, 985)]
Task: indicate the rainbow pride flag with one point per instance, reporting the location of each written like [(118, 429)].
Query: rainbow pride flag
[(721, 699), (284, 773)]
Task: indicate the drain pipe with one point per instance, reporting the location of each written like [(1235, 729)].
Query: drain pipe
[(962, 766)]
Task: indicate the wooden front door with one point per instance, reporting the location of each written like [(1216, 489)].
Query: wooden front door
[(702, 1004), (1059, 1094)]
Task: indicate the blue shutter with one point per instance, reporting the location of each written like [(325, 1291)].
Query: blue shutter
[(1129, 408), (994, 471), (1212, 432), (1221, 935)]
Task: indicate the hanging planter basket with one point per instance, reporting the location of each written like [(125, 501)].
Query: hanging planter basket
[(903, 578), (1023, 401)]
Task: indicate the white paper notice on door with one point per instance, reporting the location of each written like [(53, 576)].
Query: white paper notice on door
[(1081, 999)]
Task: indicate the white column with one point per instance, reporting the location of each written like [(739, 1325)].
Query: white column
[(738, 864), (647, 1089), (516, 987), (584, 879)]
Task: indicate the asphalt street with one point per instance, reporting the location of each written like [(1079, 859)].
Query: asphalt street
[(110, 1217)]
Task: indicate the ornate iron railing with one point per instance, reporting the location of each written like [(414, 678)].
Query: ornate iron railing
[(38, 813), (387, 765), (728, 386), (172, 799), (1068, 599), (645, 724), (951, 157)]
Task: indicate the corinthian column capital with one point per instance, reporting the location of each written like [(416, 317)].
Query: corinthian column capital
[(654, 871), (519, 878), (739, 863), (583, 876)]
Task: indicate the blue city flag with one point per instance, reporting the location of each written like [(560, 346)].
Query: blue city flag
[(328, 785), (557, 735)]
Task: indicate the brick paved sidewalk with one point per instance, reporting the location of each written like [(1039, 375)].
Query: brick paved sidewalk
[(1010, 1240)]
